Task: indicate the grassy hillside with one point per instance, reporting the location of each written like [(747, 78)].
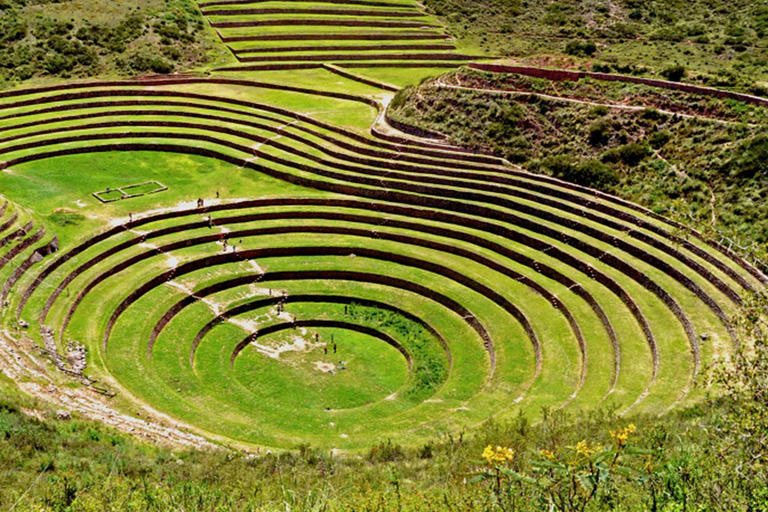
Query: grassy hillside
[(694, 157), (73, 465), (719, 43), (69, 39)]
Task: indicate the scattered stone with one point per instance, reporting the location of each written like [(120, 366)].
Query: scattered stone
[(50, 346), (704, 336), (33, 413), (63, 415), (23, 324), (76, 356)]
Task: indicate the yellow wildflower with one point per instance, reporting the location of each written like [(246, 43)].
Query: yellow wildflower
[(499, 455), (488, 454), (621, 436), (547, 454), (582, 448)]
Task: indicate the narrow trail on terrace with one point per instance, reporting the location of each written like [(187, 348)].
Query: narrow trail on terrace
[(566, 99)]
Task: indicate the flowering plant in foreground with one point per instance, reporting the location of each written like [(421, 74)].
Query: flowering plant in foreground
[(499, 455), (570, 477), (496, 459)]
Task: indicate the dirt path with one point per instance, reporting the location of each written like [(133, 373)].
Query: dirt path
[(565, 99)]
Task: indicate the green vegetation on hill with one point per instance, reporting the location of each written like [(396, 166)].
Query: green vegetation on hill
[(718, 43), (674, 152), (46, 38)]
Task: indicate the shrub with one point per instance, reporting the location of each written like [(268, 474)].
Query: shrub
[(652, 114), (591, 173), (427, 450), (12, 30), (579, 48), (752, 160), (559, 165), (625, 30), (400, 97), (172, 52), (56, 64), (600, 132), (386, 451), (603, 67), (674, 73), (758, 90), (142, 62), (630, 154), (659, 139)]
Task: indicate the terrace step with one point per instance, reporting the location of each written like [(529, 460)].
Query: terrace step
[(287, 49)]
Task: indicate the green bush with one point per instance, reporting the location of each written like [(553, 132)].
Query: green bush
[(674, 73), (386, 451), (652, 114), (581, 48), (600, 132), (751, 160), (559, 165), (33, 43), (143, 62), (630, 154), (592, 173), (659, 139)]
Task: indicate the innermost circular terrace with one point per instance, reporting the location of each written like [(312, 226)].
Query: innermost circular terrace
[(340, 368)]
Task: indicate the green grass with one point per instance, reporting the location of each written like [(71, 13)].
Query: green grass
[(63, 183), (593, 374), (475, 266), (431, 264)]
